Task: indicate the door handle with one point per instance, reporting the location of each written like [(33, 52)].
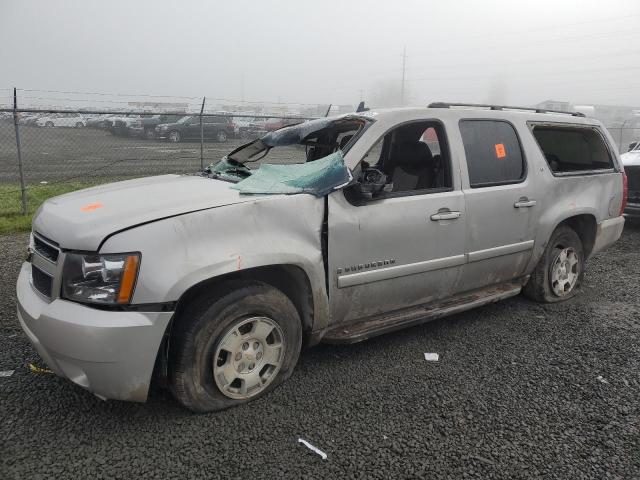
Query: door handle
[(446, 215), (524, 202)]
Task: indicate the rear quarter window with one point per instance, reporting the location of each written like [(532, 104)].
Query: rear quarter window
[(572, 149), (493, 152)]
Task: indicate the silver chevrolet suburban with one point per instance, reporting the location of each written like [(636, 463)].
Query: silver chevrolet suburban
[(350, 227)]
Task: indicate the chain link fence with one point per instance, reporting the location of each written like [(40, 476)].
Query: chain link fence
[(46, 152)]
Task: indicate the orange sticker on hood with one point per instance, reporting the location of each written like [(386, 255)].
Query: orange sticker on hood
[(91, 207)]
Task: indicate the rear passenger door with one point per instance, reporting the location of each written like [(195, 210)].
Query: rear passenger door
[(501, 202)]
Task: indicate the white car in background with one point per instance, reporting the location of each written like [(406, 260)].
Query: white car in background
[(62, 120), (631, 162)]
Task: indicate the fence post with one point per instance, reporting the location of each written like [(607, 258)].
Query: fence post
[(23, 190), (202, 136)]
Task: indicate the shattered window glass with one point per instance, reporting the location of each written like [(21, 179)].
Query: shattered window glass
[(302, 158), (316, 178)]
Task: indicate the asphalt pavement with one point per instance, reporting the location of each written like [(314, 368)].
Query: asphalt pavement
[(520, 390)]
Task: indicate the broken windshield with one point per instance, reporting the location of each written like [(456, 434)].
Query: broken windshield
[(302, 158), (307, 141)]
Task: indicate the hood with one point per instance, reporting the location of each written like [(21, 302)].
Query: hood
[(81, 220)]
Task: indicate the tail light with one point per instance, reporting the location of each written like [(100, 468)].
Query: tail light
[(625, 192)]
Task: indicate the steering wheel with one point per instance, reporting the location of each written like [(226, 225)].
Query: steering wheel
[(373, 176)]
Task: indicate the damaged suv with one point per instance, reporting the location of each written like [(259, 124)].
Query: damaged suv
[(350, 227)]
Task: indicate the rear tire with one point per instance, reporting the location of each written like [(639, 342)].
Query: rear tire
[(560, 271), (247, 338), (79, 124), (49, 124)]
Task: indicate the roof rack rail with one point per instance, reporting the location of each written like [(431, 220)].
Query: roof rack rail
[(501, 107)]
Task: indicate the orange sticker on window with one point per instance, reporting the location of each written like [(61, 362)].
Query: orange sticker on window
[(91, 207), (500, 151)]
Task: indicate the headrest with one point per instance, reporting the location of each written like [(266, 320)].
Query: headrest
[(413, 154)]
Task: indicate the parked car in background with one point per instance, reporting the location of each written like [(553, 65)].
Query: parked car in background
[(214, 127), (145, 127), (215, 281), (631, 162), (28, 118), (62, 120), (119, 125), (96, 121)]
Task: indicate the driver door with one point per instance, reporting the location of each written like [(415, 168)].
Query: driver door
[(398, 250)]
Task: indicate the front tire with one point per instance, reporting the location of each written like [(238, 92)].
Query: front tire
[(221, 136), (234, 348), (79, 125), (49, 124), (174, 136), (560, 271)]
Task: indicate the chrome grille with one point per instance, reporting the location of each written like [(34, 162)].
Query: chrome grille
[(45, 248)]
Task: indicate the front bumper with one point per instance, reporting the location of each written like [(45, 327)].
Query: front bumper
[(607, 233), (110, 353)]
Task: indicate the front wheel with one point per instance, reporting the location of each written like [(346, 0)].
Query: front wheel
[(560, 271), (174, 136), (235, 348), (221, 136), (49, 124), (79, 124)]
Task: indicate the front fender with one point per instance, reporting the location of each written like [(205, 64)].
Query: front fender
[(182, 251)]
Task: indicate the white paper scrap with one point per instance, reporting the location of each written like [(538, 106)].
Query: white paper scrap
[(6, 373), (431, 357), (312, 448), (601, 379)]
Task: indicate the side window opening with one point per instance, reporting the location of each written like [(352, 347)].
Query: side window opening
[(572, 148), (493, 152), (413, 159)]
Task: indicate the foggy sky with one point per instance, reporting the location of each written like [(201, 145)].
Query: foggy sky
[(327, 51)]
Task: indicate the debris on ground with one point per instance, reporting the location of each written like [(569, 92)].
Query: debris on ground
[(601, 379), (36, 369), (312, 448), (6, 373), (431, 357)]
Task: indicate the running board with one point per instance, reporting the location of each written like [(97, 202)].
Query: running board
[(408, 317)]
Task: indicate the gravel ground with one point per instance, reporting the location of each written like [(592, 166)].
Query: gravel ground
[(521, 391)]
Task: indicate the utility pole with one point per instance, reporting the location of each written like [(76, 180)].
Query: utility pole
[(404, 65)]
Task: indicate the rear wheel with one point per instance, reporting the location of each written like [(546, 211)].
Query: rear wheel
[(149, 134), (174, 136), (560, 271), (49, 124), (79, 124), (235, 348)]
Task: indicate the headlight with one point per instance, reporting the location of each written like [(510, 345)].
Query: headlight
[(103, 279)]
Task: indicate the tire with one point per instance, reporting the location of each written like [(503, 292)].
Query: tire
[(149, 134), (49, 124), (556, 277), (174, 136), (79, 125), (221, 136), (219, 347)]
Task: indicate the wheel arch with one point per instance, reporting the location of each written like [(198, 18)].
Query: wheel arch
[(585, 225), (291, 280)]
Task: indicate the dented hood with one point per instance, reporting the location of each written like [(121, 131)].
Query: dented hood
[(81, 220)]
